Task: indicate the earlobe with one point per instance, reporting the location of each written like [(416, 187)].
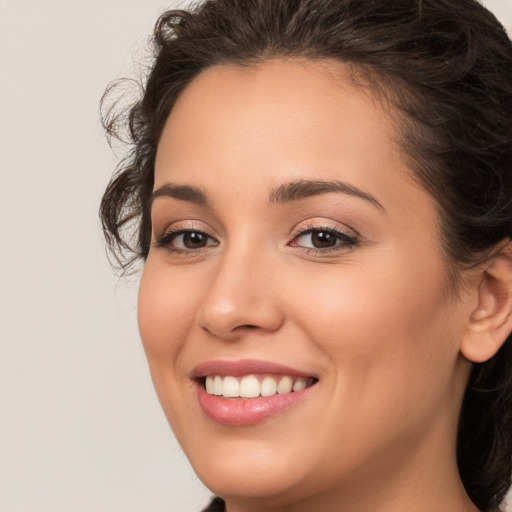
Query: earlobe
[(490, 322)]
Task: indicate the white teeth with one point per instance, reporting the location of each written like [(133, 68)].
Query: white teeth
[(230, 387), (217, 386), (299, 384), (250, 386), (285, 385), (268, 386)]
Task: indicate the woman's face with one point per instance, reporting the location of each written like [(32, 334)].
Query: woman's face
[(291, 244)]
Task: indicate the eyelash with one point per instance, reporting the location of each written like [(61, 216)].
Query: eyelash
[(166, 239), (345, 241)]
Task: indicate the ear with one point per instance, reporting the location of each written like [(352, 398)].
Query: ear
[(490, 321)]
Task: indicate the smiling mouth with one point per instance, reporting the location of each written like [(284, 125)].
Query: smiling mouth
[(254, 386)]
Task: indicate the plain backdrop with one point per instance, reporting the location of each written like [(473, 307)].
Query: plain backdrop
[(80, 426)]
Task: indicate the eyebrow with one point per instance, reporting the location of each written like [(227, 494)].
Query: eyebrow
[(302, 189), (285, 193), (181, 192)]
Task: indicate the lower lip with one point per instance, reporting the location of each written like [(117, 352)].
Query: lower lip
[(246, 411)]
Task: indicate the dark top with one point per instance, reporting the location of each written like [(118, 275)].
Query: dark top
[(217, 505)]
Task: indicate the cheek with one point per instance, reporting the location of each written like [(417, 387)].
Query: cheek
[(385, 328), (385, 334), (166, 313), (166, 310)]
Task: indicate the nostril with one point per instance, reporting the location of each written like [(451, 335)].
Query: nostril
[(240, 329)]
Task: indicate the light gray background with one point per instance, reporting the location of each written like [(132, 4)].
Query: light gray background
[(80, 427)]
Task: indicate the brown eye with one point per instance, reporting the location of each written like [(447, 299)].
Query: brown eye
[(186, 240), (323, 239), (194, 240)]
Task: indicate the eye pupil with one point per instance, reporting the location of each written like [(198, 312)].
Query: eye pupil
[(194, 240), (322, 239)]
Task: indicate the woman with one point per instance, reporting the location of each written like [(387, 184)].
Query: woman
[(321, 192)]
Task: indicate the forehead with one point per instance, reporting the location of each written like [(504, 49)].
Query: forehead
[(280, 120), (247, 104)]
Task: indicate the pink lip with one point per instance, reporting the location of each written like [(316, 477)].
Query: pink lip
[(244, 367), (241, 411)]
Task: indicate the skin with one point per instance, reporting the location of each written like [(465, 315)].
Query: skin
[(377, 321)]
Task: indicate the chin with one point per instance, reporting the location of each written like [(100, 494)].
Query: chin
[(279, 486), (250, 469)]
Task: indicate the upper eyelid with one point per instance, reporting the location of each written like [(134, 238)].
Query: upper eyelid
[(184, 226), (309, 229), (311, 225)]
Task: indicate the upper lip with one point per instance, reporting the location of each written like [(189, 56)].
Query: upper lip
[(244, 367)]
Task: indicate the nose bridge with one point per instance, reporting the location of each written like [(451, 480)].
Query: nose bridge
[(239, 296)]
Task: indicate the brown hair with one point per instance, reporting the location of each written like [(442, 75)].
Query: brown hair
[(446, 66)]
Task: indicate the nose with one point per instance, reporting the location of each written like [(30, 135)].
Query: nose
[(241, 297)]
